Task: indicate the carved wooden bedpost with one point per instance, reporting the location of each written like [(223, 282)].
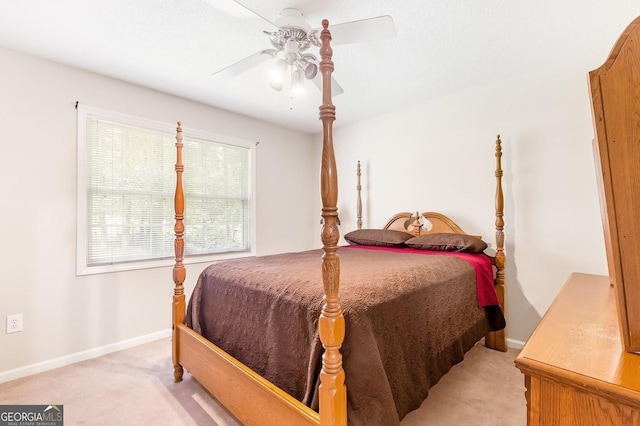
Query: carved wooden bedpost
[(333, 393), (359, 198), (497, 340), (179, 272)]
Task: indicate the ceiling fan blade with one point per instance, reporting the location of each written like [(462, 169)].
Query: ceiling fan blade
[(336, 89), (379, 28), (245, 64), (237, 10)]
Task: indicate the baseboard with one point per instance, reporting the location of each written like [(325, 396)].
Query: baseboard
[(18, 373), (514, 344)]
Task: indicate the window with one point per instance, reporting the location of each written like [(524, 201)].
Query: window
[(126, 185)]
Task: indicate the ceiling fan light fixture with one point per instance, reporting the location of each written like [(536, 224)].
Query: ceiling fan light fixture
[(278, 72), (277, 86), (310, 71), (308, 63), (297, 82)]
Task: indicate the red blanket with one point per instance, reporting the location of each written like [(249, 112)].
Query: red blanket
[(481, 263)]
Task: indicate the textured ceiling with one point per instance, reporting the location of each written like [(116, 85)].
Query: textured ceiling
[(441, 46)]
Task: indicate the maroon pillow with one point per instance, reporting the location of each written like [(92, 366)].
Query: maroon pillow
[(378, 237), (448, 242)]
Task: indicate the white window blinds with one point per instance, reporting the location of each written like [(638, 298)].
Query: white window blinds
[(129, 186)]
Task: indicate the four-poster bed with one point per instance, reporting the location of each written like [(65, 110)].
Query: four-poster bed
[(292, 326)]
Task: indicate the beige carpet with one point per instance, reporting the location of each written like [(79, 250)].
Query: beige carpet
[(135, 387)]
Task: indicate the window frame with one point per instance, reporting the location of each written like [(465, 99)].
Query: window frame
[(82, 182)]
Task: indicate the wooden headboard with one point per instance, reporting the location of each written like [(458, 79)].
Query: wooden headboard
[(423, 223)]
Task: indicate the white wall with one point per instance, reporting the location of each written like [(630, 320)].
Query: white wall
[(439, 156), (65, 314)]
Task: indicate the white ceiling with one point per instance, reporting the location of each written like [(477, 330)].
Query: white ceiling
[(441, 46)]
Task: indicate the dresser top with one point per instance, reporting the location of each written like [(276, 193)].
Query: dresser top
[(578, 340)]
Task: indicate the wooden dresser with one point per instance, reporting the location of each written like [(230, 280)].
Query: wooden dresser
[(576, 370)]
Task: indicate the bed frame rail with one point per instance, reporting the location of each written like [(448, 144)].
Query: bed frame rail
[(249, 397)]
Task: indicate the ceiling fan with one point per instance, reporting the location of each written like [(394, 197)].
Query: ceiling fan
[(291, 38)]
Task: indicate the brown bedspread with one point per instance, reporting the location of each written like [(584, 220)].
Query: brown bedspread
[(409, 319)]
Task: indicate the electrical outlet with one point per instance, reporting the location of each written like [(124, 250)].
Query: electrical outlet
[(14, 323)]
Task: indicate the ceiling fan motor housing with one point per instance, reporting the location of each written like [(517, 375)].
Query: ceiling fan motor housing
[(292, 18)]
